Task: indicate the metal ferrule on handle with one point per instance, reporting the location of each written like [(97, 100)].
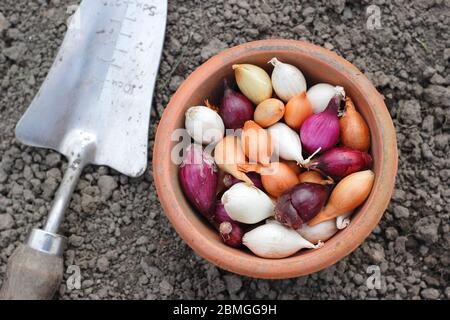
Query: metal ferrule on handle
[(47, 240)]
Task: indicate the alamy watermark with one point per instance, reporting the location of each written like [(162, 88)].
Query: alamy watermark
[(374, 280), (373, 14), (74, 280)]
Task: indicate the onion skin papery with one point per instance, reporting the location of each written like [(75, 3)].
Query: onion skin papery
[(221, 186), (231, 231), (235, 108), (339, 162), (253, 81), (228, 154), (229, 180), (354, 130), (276, 178), (321, 130), (321, 232), (300, 204), (319, 95), (269, 112), (298, 109), (198, 176), (293, 165), (313, 177), (343, 221), (348, 194), (256, 143)]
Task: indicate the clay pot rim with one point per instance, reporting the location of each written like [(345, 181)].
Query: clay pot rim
[(336, 248)]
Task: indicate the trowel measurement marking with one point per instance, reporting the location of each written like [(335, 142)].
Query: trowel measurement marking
[(125, 35), (121, 26), (130, 36), (149, 9), (121, 50)]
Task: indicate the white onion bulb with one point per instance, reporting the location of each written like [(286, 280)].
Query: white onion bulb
[(287, 80), (275, 241), (204, 125), (319, 95), (286, 142), (247, 204)]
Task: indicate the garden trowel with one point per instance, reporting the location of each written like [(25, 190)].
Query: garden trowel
[(94, 108)]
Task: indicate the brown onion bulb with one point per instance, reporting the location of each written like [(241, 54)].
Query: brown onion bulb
[(354, 130), (269, 112), (276, 178), (293, 165), (313, 177), (348, 194), (297, 110), (228, 154), (256, 143)]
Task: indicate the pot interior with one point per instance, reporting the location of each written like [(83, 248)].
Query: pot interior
[(315, 71)]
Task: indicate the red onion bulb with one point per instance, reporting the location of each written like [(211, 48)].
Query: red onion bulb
[(198, 176), (300, 204), (235, 108), (231, 231), (342, 161), (321, 130)]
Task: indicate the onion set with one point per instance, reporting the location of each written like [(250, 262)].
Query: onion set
[(298, 109), (319, 95), (286, 143), (268, 112), (341, 161), (276, 178), (300, 204), (348, 194), (198, 172), (235, 108), (204, 125), (287, 80), (230, 231), (354, 130), (253, 81), (228, 154), (320, 232), (314, 177), (256, 143), (228, 180), (321, 130), (247, 204), (274, 241)]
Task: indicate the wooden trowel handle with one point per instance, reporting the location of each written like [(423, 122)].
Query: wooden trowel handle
[(32, 275)]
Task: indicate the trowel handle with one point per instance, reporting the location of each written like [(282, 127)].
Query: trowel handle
[(32, 275), (35, 269)]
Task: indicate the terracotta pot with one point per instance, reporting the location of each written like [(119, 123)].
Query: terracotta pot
[(318, 65)]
